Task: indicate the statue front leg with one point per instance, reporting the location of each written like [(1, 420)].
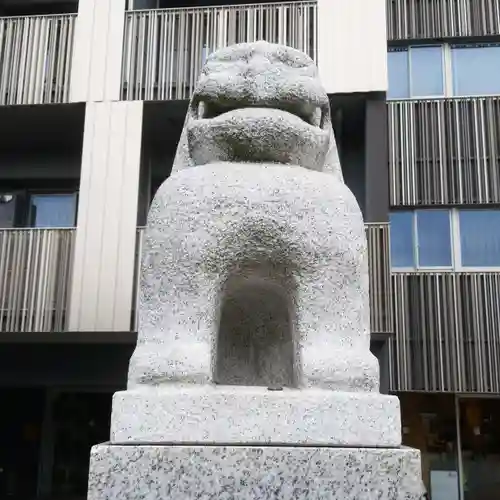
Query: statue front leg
[(333, 327)]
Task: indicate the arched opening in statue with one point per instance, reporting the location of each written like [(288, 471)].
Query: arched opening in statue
[(255, 344)]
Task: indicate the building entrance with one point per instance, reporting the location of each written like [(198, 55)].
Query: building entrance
[(20, 437), (459, 438)]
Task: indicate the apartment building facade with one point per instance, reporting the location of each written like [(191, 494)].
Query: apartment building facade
[(93, 95), (444, 164)]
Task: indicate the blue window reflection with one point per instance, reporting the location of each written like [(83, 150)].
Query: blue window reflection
[(53, 210), (402, 244), (434, 238), (427, 77), (476, 70), (398, 74), (480, 238)]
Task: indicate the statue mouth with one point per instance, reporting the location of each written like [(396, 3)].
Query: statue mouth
[(311, 114), (291, 131)]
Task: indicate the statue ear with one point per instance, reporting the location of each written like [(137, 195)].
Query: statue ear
[(332, 160), (182, 157)]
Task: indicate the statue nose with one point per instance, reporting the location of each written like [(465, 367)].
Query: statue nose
[(256, 65)]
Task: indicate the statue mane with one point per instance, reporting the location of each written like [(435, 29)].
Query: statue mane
[(285, 78)]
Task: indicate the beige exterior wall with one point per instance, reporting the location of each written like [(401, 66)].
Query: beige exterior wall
[(103, 271), (352, 45), (98, 47)]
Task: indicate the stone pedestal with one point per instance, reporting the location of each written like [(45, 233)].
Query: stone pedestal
[(180, 472), (255, 416)]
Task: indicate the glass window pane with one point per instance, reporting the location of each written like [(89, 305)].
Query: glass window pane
[(53, 210), (476, 70), (398, 74), (434, 239), (402, 245), (7, 210), (480, 238), (426, 71)]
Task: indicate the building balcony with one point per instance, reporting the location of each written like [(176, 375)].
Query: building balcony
[(35, 279), (35, 58), (164, 49)]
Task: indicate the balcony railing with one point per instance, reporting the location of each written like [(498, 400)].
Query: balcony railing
[(381, 315), (35, 275), (442, 18), (446, 332), (35, 58), (164, 50), (444, 151), (379, 265)]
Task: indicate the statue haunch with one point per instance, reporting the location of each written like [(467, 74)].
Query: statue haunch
[(254, 268)]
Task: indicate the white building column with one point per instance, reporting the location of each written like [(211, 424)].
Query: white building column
[(97, 53), (104, 258), (352, 45)]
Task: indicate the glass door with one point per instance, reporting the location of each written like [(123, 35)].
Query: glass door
[(480, 448)]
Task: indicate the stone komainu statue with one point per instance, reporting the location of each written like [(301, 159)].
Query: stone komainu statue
[(255, 275), (254, 268)]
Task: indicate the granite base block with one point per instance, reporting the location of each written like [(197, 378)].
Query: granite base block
[(161, 472), (255, 416)]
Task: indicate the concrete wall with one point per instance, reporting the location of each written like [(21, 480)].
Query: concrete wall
[(352, 52), (103, 274)]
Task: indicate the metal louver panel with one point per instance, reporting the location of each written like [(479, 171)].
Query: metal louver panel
[(35, 274), (421, 19), (379, 265), (165, 49), (35, 59), (446, 332), (444, 151)]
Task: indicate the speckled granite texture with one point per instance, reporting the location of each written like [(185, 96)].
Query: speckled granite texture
[(253, 473), (254, 313), (254, 415), (255, 212)]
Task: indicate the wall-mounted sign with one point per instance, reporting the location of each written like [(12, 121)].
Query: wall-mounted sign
[(444, 485)]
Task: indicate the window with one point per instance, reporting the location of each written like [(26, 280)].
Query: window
[(456, 239), (426, 70), (421, 239), (7, 210), (416, 72), (444, 71), (398, 74), (480, 238), (476, 70), (52, 210), (402, 242), (433, 238)]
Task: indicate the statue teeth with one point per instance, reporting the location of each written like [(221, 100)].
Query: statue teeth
[(316, 117), (201, 110)]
